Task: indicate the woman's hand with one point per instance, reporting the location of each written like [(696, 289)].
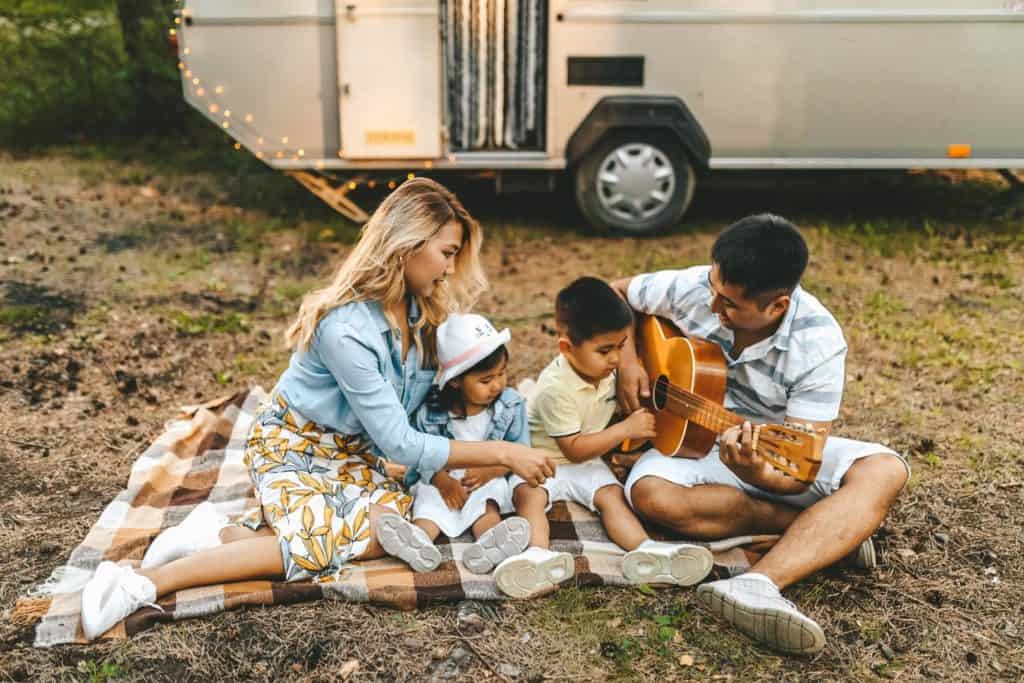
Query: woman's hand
[(534, 465), (633, 387), (451, 489), (476, 477)]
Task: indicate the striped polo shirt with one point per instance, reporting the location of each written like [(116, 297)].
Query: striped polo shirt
[(796, 372)]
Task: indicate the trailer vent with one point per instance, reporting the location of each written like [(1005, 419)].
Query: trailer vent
[(495, 67), (627, 71)]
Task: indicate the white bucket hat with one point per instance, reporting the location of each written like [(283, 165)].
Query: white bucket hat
[(463, 340)]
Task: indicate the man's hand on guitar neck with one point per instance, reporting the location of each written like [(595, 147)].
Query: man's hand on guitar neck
[(737, 453)]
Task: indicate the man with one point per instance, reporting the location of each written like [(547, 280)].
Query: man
[(786, 362)]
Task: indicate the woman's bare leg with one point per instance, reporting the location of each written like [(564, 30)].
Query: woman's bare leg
[(258, 557), (233, 532)]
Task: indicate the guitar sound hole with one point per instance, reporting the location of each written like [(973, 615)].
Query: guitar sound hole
[(660, 393)]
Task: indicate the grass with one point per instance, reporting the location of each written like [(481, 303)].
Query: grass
[(924, 282)]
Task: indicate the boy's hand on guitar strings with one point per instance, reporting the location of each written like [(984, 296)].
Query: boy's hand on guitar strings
[(640, 425), (634, 388)]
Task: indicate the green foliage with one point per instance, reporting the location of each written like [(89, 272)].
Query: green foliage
[(67, 75)]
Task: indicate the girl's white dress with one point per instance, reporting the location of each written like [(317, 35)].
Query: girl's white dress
[(427, 500)]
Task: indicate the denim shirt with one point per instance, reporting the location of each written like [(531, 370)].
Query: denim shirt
[(508, 424), (352, 380)]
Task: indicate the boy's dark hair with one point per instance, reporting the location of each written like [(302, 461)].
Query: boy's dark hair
[(764, 254), (449, 398), (589, 307)]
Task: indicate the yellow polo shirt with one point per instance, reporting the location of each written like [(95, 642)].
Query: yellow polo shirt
[(564, 404)]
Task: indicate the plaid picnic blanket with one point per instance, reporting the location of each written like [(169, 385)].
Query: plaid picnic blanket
[(199, 458)]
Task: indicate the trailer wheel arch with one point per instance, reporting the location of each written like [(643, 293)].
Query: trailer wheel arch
[(666, 113), (634, 163)]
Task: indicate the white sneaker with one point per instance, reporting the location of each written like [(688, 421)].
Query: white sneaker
[(754, 605), (407, 542), (496, 545), (200, 530), (533, 572), (680, 564), (112, 594)]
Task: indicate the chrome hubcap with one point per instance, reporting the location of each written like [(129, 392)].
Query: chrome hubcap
[(635, 182)]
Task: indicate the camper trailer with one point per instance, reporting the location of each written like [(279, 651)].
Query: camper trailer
[(636, 100)]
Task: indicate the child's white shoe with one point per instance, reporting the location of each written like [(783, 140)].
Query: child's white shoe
[(496, 545), (754, 605), (407, 542), (533, 572), (679, 564), (200, 530), (112, 594)]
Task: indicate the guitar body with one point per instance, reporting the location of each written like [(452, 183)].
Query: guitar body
[(692, 364)]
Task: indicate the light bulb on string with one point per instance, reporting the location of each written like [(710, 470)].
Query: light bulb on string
[(201, 92), (372, 184), (410, 176), (238, 145), (284, 140), (226, 124), (391, 184), (219, 89), (302, 152), (352, 185), (227, 113), (248, 118), (188, 51)]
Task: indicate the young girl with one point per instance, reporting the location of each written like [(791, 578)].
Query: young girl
[(364, 358), (473, 404)]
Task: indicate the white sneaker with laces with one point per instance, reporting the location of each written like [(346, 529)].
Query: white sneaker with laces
[(113, 593), (533, 572), (409, 543), (200, 530), (496, 545), (679, 564), (754, 605)]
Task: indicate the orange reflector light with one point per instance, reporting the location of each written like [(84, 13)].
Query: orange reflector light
[(958, 151)]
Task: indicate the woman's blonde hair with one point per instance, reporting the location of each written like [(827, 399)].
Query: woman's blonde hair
[(375, 268)]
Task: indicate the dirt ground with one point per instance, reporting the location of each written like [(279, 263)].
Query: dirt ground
[(128, 289)]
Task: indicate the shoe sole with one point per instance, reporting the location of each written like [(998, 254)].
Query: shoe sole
[(684, 568), (866, 556), (781, 630), (496, 545), (523, 578), (408, 543)]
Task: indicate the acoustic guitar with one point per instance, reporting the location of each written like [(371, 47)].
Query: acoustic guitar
[(688, 377)]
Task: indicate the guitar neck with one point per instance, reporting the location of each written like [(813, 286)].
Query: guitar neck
[(699, 410)]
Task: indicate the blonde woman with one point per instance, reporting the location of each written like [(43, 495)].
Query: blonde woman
[(365, 357)]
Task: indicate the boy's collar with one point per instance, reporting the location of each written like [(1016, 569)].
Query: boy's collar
[(578, 382)]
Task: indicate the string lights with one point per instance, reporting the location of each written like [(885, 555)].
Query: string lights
[(240, 127)]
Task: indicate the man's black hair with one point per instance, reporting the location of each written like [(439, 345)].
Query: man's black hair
[(449, 398), (764, 254), (589, 307)]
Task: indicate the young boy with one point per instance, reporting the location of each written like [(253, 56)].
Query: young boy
[(569, 414)]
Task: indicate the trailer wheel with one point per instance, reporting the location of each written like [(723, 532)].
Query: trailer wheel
[(634, 183)]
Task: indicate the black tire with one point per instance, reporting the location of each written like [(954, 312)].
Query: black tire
[(636, 221)]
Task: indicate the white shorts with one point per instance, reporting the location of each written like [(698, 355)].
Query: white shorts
[(578, 482), (428, 504), (839, 455)]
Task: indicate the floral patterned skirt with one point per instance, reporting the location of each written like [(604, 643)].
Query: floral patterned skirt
[(315, 487)]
